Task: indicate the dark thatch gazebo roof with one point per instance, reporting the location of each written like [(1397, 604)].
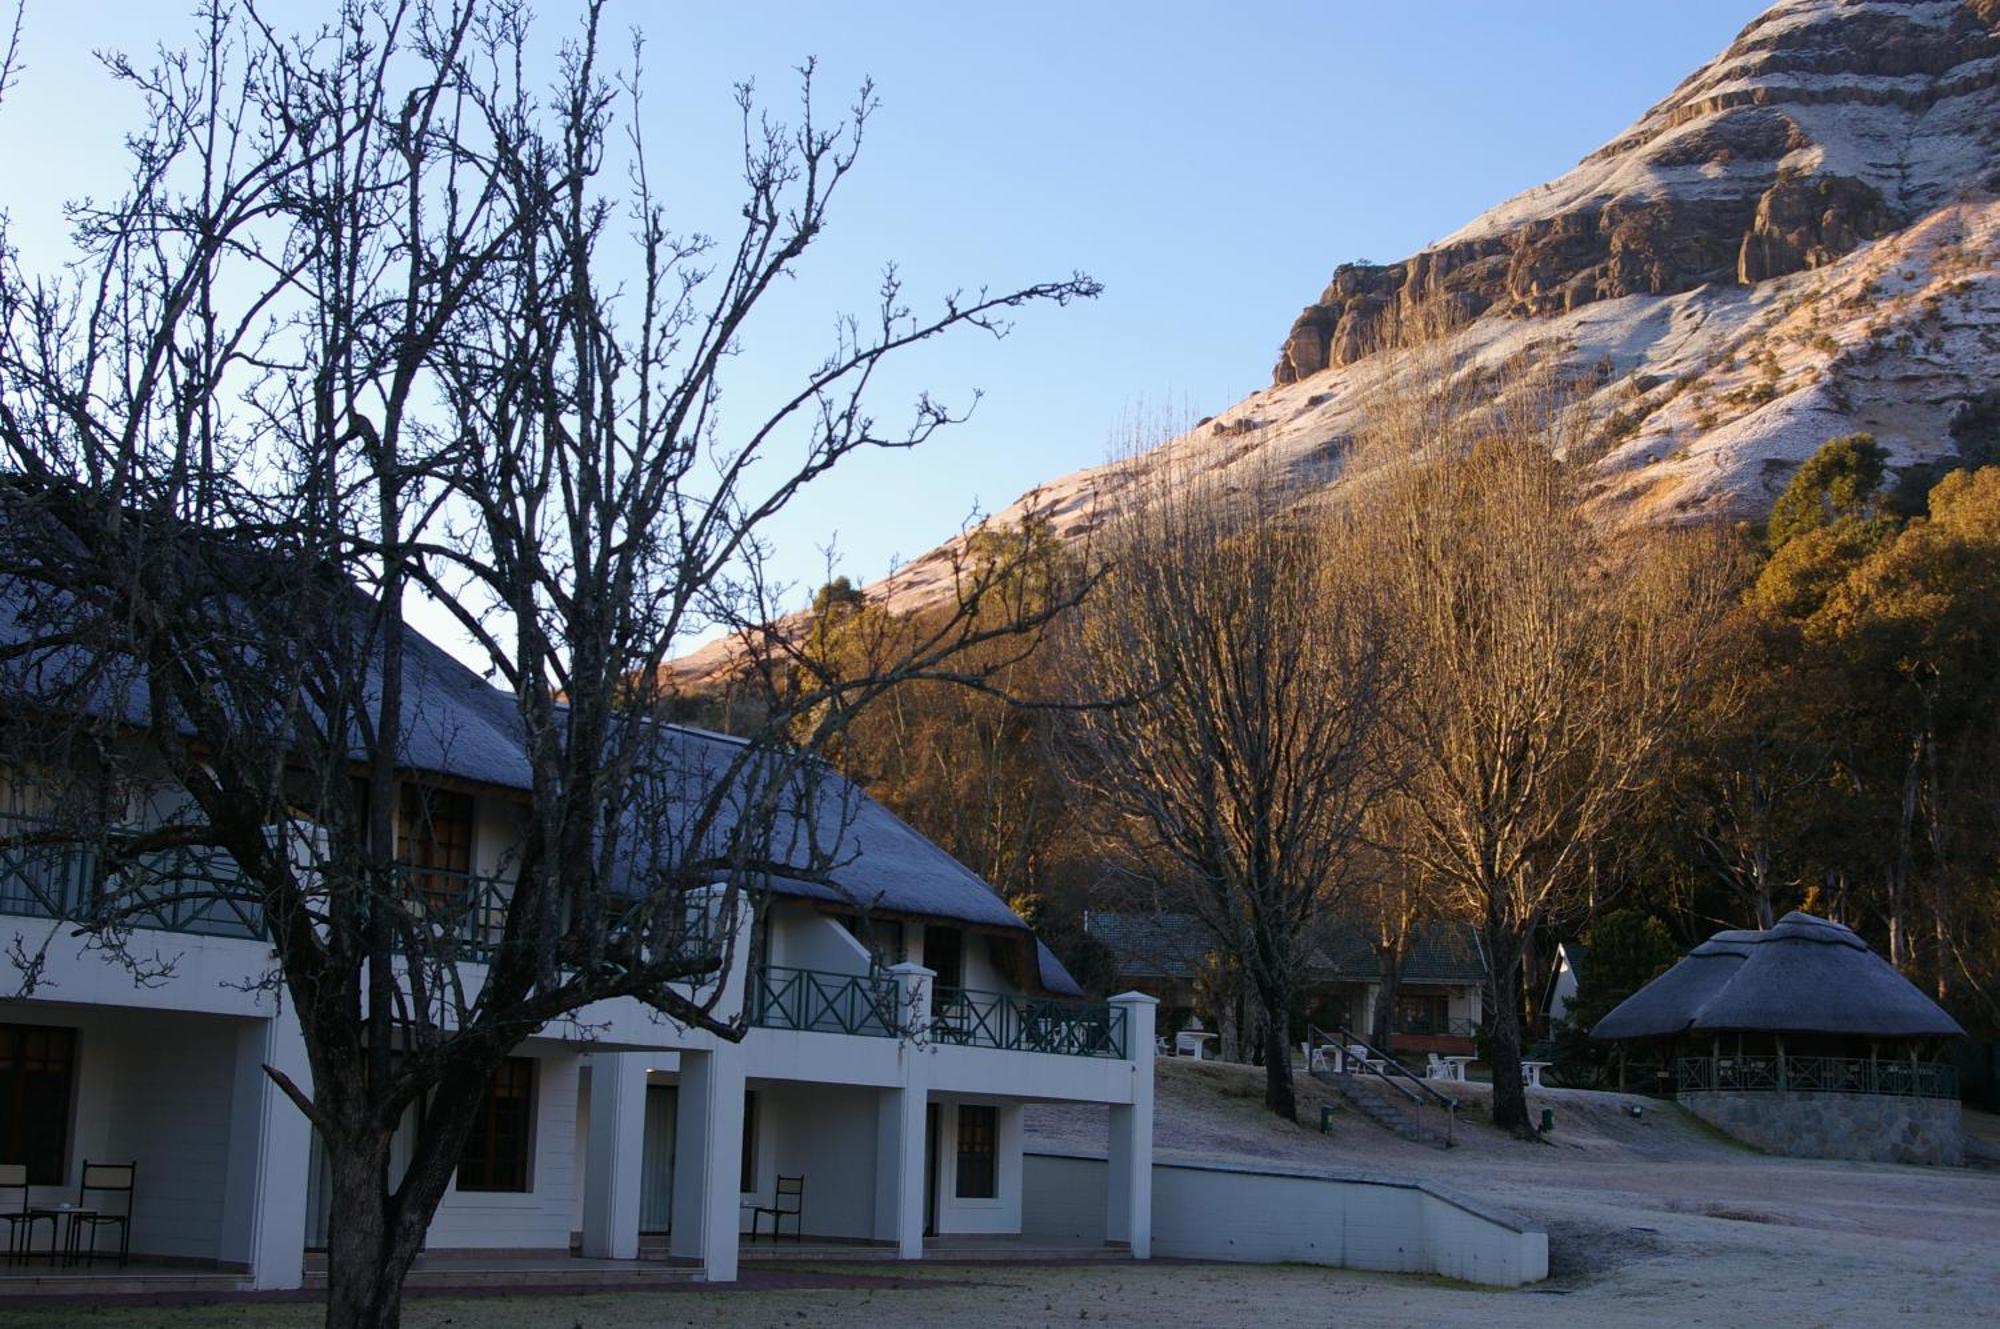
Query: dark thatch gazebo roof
[(1806, 975)]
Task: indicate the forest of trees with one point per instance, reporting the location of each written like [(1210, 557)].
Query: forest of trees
[(1544, 721)]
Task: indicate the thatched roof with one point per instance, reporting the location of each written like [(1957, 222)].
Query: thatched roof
[(1806, 975)]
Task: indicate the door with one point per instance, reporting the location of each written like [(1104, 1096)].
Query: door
[(930, 1168), (656, 1160)]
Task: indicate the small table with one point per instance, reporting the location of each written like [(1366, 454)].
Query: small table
[(1455, 1067), (1531, 1073), (1188, 1043), (62, 1232)]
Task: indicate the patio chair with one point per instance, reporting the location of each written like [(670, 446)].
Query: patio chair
[(110, 1181), (789, 1188), (1436, 1067), (20, 1222)]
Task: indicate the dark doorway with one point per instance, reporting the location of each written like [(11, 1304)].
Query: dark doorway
[(930, 1168)]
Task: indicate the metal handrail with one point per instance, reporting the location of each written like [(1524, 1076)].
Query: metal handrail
[(1015, 1023), (1386, 1069), (1834, 1075)]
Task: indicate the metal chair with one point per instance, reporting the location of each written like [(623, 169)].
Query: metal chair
[(14, 1177), (789, 1188), (110, 1180)]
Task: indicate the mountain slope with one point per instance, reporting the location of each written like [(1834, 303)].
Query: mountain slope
[(1801, 240)]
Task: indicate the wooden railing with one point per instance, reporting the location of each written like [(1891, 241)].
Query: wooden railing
[(193, 890), (871, 1005), (807, 999), (1834, 1075), (48, 871), (1029, 1024)]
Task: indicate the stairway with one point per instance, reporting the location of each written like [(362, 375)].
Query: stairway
[(1384, 1105)]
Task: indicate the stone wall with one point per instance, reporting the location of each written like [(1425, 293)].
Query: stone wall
[(1873, 1128)]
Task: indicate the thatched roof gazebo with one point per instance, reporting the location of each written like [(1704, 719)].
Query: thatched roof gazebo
[(1801, 1039)]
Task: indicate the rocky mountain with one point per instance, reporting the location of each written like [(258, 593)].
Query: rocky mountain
[(1802, 240)]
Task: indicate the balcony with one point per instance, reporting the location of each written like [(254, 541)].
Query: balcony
[(1028, 1024), (171, 890), (869, 1005), (201, 892)]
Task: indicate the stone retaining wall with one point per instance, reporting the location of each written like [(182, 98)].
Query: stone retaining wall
[(1872, 1128)]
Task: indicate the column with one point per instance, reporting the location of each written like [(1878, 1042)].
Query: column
[(613, 1167), (901, 1119), (270, 1149), (708, 1160), (1129, 1206)]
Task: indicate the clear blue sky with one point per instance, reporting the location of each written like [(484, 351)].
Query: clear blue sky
[(1210, 163)]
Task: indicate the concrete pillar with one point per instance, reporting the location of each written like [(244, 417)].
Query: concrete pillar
[(913, 1000), (270, 1148), (900, 1120), (1129, 1206), (899, 1169), (708, 1160), (613, 1170)]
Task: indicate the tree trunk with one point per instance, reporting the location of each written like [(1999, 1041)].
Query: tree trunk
[(366, 1257), (1503, 1025), (1389, 976), (1901, 945), (1278, 1094)]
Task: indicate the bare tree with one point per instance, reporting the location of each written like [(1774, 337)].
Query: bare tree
[(367, 330), (1548, 669), (1255, 668)]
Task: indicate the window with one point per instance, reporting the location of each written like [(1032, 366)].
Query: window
[(944, 955), (496, 1153), (978, 1152), (883, 939), (37, 1068), (1423, 1013), (434, 830), (748, 1179)]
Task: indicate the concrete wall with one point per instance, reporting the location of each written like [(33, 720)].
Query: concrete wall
[(1216, 1212), (1871, 1128)]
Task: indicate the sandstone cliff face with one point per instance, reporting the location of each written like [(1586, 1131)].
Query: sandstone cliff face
[(1828, 123)]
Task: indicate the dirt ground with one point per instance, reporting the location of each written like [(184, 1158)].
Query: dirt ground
[(1654, 1220)]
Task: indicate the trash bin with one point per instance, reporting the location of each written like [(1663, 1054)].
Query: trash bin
[(1326, 1118)]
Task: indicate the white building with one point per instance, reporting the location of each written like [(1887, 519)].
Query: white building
[(889, 1073)]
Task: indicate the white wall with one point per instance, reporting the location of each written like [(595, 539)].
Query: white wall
[(999, 1214), (804, 938), (825, 1133), (1258, 1216), (540, 1218)]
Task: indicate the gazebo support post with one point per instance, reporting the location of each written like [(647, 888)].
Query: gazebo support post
[(1784, 1081)]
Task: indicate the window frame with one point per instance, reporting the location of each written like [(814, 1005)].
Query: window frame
[(48, 1164), (481, 1144), (977, 1120)]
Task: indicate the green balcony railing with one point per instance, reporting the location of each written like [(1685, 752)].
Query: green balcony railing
[(1028, 1024), (807, 999), (190, 890), (1836, 1075), (200, 891)]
